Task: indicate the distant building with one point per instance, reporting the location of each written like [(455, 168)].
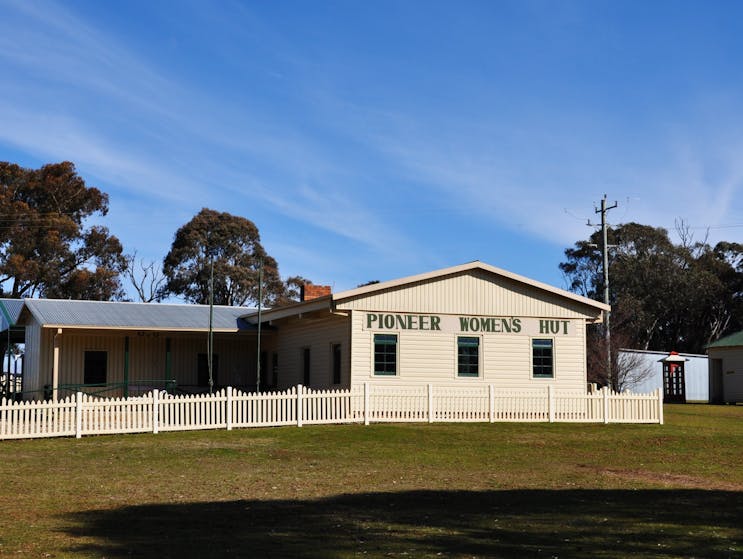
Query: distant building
[(683, 377), (726, 369)]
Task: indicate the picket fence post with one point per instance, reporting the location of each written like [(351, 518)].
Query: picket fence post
[(550, 403), (78, 415), (430, 403), (228, 413), (491, 402), (366, 403), (299, 405), (155, 411), (606, 404), (660, 406)]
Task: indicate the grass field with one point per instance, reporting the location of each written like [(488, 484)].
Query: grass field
[(441, 490)]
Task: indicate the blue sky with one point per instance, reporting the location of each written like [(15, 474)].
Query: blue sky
[(374, 140)]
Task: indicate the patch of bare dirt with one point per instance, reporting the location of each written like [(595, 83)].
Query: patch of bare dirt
[(670, 480)]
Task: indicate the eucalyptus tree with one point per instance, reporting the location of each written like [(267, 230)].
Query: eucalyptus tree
[(664, 296), (46, 247), (229, 246)]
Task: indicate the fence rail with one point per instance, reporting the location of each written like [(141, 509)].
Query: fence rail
[(157, 411)]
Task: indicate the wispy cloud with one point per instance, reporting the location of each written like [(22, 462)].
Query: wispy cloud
[(74, 82)]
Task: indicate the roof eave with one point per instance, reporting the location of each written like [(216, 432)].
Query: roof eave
[(318, 304)]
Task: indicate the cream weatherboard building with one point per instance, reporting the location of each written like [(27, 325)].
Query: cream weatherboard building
[(472, 323)]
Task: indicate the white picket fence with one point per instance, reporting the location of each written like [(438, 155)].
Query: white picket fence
[(82, 414)]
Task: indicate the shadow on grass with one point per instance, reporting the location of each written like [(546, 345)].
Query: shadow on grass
[(513, 523)]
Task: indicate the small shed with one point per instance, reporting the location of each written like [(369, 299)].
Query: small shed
[(12, 337), (726, 369), (685, 379)]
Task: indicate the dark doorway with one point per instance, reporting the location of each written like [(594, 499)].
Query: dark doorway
[(264, 371), (715, 381), (94, 368), (674, 383), (306, 366)]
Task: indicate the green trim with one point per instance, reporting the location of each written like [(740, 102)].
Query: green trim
[(385, 355), (168, 360), (468, 356), (126, 367)]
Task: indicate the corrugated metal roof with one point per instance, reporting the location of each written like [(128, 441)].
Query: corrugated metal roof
[(13, 307), (106, 314), (733, 340)]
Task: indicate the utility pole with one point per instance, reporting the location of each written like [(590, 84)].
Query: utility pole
[(260, 302), (210, 342), (605, 248)]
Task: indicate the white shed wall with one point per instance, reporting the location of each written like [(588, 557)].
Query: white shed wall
[(695, 372)]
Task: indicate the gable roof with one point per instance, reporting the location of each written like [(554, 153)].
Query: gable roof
[(10, 310), (733, 340), (327, 302), (475, 265), (140, 316)]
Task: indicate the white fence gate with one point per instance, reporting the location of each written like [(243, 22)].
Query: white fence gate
[(367, 403)]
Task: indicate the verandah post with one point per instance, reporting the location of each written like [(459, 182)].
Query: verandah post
[(78, 414), (155, 412)]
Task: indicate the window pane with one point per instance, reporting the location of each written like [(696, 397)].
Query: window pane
[(385, 354), (468, 357), (542, 358)]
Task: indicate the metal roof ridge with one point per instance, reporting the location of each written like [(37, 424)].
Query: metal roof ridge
[(137, 303)]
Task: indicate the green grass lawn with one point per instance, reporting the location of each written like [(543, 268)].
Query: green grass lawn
[(441, 490)]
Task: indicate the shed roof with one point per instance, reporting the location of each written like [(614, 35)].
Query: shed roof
[(142, 316), (733, 340), (10, 309)]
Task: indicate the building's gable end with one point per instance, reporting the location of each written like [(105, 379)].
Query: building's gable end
[(473, 292)]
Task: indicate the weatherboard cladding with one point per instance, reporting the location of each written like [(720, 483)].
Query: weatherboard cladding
[(471, 292), (62, 312)]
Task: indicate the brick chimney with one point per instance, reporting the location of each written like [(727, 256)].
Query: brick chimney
[(310, 291)]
